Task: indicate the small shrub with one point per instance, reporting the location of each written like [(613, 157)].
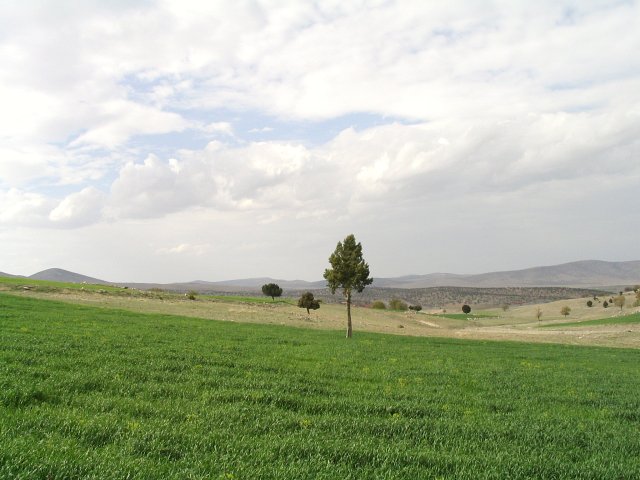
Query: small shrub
[(191, 294), (566, 310), (589, 303), (505, 307), (415, 308), (378, 305), (605, 304), (397, 304), (466, 309)]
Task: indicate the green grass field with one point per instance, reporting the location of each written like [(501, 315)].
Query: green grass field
[(633, 318), (464, 316), (89, 392)]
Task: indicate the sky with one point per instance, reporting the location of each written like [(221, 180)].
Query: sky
[(176, 140)]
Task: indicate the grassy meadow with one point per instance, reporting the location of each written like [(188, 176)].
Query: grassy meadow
[(96, 392)]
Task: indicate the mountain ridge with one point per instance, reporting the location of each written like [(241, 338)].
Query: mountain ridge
[(582, 273)]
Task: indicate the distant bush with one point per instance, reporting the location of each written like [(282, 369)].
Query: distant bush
[(466, 309), (397, 304), (589, 303), (505, 307), (605, 304), (378, 305), (566, 310), (191, 294), (415, 308)]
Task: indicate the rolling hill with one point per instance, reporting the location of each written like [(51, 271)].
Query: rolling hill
[(60, 275), (581, 274)]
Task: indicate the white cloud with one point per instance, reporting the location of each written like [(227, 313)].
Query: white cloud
[(184, 249), (23, 208), (78, 209), (120, 120), (522, 114)]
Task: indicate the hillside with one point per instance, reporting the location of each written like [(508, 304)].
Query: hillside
[(60, 275), (586, 273), (582, 274)]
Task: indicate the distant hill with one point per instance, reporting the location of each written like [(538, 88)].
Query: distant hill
[(60, 275), (586, 273), (3, 274), (581, 274)]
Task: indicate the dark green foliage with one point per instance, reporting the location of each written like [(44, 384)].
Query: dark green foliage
[(100, 393), (272, 290), (378, 305), (415, 308), (466, 309), (348, 271), (307, 301), (397, 304), (589, 303), (605, 304)]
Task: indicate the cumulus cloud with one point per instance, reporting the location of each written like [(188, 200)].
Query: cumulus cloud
[(78, 209), (23, 208), (504, 114)]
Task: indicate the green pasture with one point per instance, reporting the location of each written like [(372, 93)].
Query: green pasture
[(623, 319), (89, 392), (465, 316)]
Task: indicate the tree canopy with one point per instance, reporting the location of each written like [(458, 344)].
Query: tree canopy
[(348, 271), (307, 301), (271, 290)]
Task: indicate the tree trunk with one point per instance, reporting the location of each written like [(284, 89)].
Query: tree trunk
[(349, 329)]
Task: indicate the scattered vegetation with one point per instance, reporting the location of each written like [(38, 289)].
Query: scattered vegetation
[(378, 305), (466, 309)]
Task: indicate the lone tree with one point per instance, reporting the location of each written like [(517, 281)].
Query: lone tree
[(466, 308), (271, 290), (566, 310), (538, 313), (348, 271), (307, 301), (619, 301)]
